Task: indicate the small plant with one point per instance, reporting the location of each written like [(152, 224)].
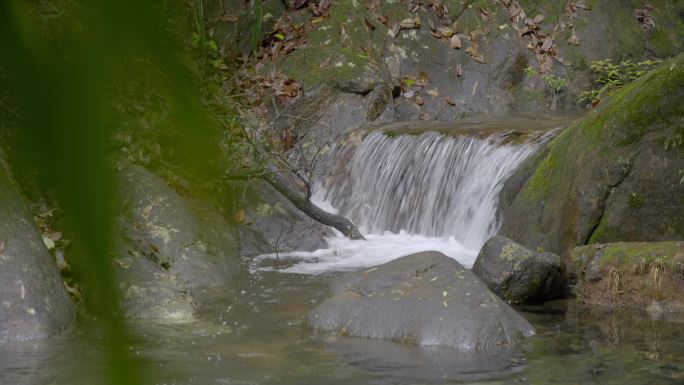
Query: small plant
[(530, 71), (557, 84), (611, 77)]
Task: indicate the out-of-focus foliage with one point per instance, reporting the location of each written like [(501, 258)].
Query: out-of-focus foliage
[(83, 83)]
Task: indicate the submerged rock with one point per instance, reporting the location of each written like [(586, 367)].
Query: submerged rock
[(614, 175), (637, 275), (169, 250), (33, 300), (517, 274), (425, 298)]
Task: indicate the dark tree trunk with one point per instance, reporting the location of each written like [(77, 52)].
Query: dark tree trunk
[(280, 183), (344, 225)]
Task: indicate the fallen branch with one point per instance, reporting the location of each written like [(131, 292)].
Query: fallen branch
[(280, 183)]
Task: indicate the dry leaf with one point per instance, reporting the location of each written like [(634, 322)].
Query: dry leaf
[(229, 18), (240, 216), (455, 42), (538, 19), (325, 63), (459, 70), (419, 101), (433, 92), (573, 39), (445, 31), (547, 44), (450, 101), (410, 23)]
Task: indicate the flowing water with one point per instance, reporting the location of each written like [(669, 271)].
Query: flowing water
[(408, 193), (414, 192)]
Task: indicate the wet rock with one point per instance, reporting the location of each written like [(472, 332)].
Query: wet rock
[(614, 175), (642, 276), (517, 274), (426, 299), (170, 249), (33, 300), (272, 224)]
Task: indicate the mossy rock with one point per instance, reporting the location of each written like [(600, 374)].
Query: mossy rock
[(613, 175), (640, 275)]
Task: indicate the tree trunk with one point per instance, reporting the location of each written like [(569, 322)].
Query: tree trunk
[(344, 225), (280, 183)]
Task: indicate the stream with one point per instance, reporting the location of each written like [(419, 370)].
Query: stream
[(424, 191)]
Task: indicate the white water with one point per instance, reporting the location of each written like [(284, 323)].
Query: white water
[(414, 193)]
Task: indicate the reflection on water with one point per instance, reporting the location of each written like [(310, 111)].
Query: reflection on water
[(256, 334)]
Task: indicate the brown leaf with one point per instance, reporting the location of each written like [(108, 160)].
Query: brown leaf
[(459, 70), (325, 63), (240, 216), (573, 39), (455, 42), (538, 19), (547, 44), (410, 23), (514, 9), (419, 101), (445, 31), (229, 18), (450, 101)]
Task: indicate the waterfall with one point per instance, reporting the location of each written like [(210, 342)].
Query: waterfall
[(430, 184), (435, 188)]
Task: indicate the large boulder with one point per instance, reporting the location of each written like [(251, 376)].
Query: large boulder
[(170, 249), (425, 298), (517, 274), (33, 300), (637, 275), (614, 175), (351, 56)]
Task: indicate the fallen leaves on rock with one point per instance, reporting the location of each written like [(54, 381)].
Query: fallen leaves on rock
[(644, 17)]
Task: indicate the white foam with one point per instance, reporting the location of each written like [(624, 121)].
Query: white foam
[(343, 254)]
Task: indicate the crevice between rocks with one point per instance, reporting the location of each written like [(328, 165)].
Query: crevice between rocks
[(607, 195)]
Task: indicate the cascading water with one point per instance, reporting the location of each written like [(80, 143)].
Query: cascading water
[(431, 184), (411, 193)]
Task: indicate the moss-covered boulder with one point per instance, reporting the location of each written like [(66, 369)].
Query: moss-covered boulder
[(643, 276), (33, 300), (170, 249), (517, 274), (614, 175)]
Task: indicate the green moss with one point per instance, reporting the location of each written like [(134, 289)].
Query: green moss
[(539, 182), (635, 201), (600, 233), (629, 255)]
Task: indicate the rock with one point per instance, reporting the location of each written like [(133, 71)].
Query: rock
[(614, 175), (643, 276), (517, 274), (170, 249), (425, 298), (272, 224), (33, 300)]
